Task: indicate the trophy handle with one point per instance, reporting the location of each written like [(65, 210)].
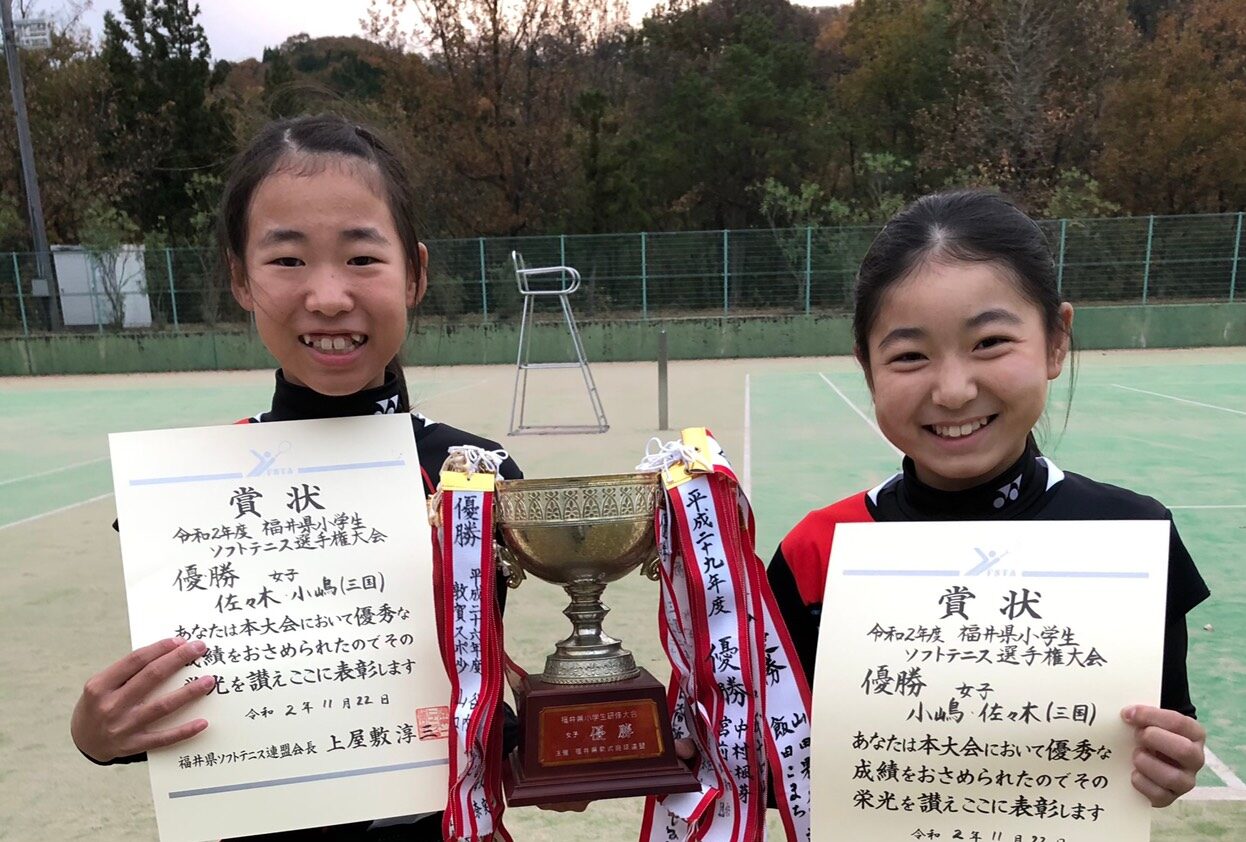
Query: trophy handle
[(508, 566), (652, 568)]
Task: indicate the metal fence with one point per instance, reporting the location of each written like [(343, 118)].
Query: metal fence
[(645, 276)]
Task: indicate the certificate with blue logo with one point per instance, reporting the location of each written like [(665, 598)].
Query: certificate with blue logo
[(300, 553), (971, 677)]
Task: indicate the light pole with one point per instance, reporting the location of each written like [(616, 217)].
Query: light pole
[(34, 202)]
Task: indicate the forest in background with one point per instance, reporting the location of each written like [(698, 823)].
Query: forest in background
[(557, 116)]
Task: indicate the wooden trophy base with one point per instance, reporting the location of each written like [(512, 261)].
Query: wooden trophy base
[(592, 741)]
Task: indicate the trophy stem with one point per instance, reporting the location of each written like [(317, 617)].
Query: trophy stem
[(589, 655)]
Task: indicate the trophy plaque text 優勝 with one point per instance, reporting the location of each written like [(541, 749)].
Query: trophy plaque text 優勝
[(593, 725)]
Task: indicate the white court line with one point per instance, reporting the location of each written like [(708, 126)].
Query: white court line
[(864, 417), (1233, 506), (53, 471), (1214, 793), (425, 398), (33, 518), (1223, 771), (1179, 400), (748, 438)]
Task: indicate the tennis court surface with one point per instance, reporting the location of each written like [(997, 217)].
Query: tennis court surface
[(1171, 424)]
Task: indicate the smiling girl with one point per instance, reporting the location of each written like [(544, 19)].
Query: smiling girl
[(959, 329), (317, 230)]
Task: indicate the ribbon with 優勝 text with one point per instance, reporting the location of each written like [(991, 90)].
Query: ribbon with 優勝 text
[(469, 627), (737, 689)]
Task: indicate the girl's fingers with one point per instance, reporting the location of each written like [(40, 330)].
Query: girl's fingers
[(685, 749), (157, 672), (1162, 773), (117, 674), (1143, 716), (170, 736), (1156, 794), (1181, 750), (171, 702)]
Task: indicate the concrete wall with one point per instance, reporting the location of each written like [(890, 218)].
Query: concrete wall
[(1151, 326)]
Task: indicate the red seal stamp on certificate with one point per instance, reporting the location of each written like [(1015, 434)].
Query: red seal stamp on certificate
[(433, 723)]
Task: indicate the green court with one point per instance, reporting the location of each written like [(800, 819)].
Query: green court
[(1168, 424)]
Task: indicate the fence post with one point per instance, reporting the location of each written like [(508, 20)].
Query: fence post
[(644, 278), (663, 356), (726, 273), (168, 264), (562, 249), (484, 288), (1237, 253), (95, 310), (1146, 269), (808, 267), (21, 304), (1064, 225)]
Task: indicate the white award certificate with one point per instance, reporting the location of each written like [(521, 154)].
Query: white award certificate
[(970, 679), (300, 553)]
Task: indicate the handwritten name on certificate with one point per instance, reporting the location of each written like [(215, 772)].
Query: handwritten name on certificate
[(971, 676), (300, 553)]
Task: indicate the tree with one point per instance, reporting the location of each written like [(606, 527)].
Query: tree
[(725, 98), (1171, 128), (898, 54), (611, 199), (12, 224), (1146, 14), (278, 84), (297, 74), (160, 81), (68, 107), (1026, 82), (495, 104), (109, 234), (1078, 196)]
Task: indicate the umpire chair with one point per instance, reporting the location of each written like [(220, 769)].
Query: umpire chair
[(566, 283)]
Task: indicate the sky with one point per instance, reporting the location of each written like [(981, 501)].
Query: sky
[(239, 29)]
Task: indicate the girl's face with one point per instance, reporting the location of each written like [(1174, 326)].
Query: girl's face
[(327, 277), (959, 363)]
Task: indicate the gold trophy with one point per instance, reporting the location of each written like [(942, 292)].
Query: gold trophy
[(593, 724)]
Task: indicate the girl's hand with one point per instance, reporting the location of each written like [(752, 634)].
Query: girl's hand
[(1169, 752), (113, 714)]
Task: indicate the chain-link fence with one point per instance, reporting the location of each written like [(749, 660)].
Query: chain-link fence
[(634, 276)]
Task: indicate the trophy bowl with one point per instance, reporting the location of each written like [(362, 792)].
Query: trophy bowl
[(581, 533), (574, 528)]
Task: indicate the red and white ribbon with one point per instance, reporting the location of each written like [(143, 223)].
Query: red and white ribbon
[(470, 635), (737, 688)]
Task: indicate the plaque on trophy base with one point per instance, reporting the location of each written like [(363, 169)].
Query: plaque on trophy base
[(592, 741)]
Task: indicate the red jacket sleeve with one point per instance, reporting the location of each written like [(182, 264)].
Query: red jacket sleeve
[(797, 573)]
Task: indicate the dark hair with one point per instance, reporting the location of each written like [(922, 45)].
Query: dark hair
[(978, 226), (291, 142)]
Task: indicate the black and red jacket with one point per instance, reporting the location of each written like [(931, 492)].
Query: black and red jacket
[(1032, 488)]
